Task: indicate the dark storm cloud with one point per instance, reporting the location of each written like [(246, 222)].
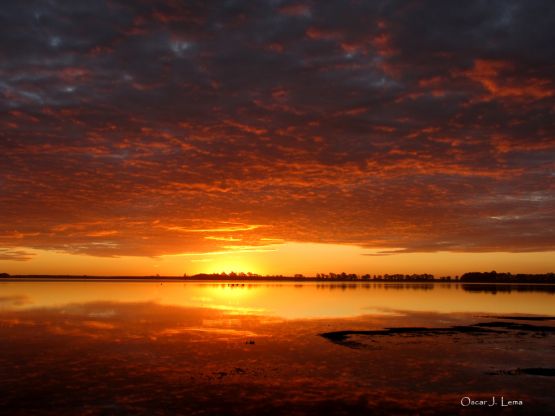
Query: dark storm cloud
[(133, 127)]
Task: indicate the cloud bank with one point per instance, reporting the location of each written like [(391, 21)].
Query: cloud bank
[(160, 127)]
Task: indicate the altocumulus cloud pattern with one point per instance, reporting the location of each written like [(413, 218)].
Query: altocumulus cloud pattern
[(159, 127)]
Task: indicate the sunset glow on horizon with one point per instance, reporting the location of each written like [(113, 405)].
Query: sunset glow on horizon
[(283, 259), (277, 207), (276, 137)]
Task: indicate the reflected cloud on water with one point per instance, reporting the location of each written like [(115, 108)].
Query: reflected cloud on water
[(290, 300), (149, 358), (146, 348)]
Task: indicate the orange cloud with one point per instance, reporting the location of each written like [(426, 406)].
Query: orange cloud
[(499, 79)]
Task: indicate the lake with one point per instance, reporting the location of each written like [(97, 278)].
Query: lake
[(159, 347)]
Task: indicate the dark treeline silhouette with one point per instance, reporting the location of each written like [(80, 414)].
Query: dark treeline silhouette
[(377, 277), (473, 277), (334, 277), (494, 277)]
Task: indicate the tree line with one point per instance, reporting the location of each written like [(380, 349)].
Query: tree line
[(494, 277)]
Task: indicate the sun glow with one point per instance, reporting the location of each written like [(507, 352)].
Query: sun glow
[(285, 259), (229, 264)]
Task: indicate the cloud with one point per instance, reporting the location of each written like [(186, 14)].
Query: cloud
[(17, 255), (135, 128)]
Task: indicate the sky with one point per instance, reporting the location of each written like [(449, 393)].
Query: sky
[(144, 137)]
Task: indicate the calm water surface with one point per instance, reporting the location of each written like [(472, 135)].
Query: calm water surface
[(290, 300), (110, 347)]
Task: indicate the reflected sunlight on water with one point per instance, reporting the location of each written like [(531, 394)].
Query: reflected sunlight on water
[(287, 300), (147, 348)]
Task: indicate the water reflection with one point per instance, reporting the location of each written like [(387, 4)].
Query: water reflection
[(508, 288), (145, 357), (367, 286), (291, 300)]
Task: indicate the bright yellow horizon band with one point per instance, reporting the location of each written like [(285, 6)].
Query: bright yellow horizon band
[(284, 258)]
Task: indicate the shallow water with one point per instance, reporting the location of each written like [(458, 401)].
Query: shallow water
[(257, 348)]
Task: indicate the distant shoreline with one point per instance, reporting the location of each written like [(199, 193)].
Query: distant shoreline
[(259, 279)]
